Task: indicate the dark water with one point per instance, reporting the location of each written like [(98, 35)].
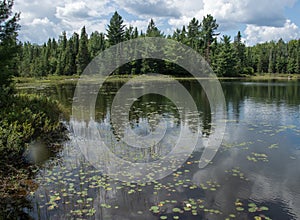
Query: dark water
[(254, 175)]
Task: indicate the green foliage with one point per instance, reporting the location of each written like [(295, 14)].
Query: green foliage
[(96, 43), (8, 42), (71, 56), (83, 56), (152, 30), (115, 31), (227, 59), (23, 119), (208, 29)]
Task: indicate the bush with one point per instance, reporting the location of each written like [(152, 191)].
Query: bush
[(25, 118), (248, 71)]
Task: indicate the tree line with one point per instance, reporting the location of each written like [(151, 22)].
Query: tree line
[(227, 57)]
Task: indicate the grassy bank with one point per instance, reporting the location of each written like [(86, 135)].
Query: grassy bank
[(27, 81), (267, 76), (46, 79), (24, 119)]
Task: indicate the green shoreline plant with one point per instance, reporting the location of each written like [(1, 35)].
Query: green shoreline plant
[(25, 118)]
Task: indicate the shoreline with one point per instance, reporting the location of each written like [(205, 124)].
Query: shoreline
[(74, 78)]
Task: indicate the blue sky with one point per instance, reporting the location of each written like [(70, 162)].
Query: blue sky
[(258, 20)]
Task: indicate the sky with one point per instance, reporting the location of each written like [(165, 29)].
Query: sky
[(258, 20)]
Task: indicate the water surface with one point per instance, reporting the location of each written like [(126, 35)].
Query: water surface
[(255, 174)]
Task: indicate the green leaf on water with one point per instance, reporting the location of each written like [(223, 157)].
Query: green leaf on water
[(252, 209), (264, 208), (176, 210), (252, 205), (240, 209), (154, 209), (187, 209)]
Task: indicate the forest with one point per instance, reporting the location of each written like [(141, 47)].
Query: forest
[(228, 57)]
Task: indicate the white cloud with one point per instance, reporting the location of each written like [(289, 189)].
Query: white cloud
[(40, 30), (151, 8), (231, 13), (258, 34), (70, 15), (43, 19), (140, 24), (76, 10)]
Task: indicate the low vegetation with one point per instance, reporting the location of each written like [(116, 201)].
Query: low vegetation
[(24, 119)]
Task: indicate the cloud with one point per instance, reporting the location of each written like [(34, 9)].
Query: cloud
[(230, 14), (168, 15), (82, 10), (258, 34), (39, 30), (41, 20), (256, 12), (140, 24), (152, 8), (76, 10)]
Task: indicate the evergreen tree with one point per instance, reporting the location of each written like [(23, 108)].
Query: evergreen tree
[(152, 30), (208, 32), (292, 56), (96, 43), (227, 59), (71, 54), (61, 56), (83, 57), (240, 52), (281, 57), (193, 34), (8, 42), (129, 33), (272, 58), (116, 30)]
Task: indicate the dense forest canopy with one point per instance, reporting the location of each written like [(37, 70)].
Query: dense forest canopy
[(69, 56)]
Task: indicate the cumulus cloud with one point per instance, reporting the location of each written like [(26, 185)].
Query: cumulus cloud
[(231, 13), (140, 24), (152, 8), (256, 12), (258, 34), (76, 10), (82, 10), (260, 16), (39, 30), (41, 20)]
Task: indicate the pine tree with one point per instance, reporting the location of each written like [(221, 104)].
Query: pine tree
[(272, 58), (193, 34), (71, 53), (61, 56), (281, 57), (152, 30), (208, 32), (116, 30), (240, 52), (83, 57), (96, 43), (129, 33), (8, 42), (227, 59)]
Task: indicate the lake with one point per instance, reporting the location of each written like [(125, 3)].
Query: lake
[(254, 175)]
